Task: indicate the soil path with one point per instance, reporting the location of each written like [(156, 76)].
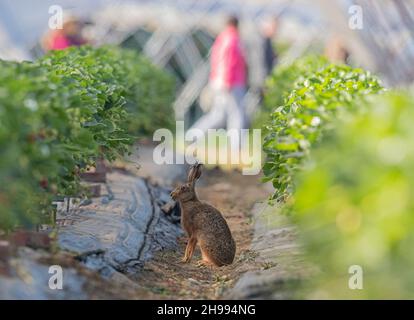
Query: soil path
[(264, 256), (165, 276)]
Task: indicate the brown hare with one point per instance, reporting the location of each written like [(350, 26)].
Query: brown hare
[(204, 225)]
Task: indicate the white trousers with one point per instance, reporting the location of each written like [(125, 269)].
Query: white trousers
[(228, 111)]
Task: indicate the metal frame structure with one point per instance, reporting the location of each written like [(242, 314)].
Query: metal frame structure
[(164, 31)]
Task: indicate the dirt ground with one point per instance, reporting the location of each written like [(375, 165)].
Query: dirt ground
[(166, 277)]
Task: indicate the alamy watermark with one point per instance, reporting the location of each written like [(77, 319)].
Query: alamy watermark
[(56, 17), (356, 19), (356, 279), (56, 278)]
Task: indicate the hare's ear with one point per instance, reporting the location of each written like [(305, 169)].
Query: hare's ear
[(194, 173), (198, 167)]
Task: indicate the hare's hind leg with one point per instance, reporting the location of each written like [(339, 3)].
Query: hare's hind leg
[(206, 260), (189, 250)]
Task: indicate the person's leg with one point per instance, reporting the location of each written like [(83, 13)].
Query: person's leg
[(240, 95), (216, 117), (236, 115)]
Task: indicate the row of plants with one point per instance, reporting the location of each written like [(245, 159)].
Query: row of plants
[(282, 81), (319, 94), (61, 113), (346, 180), (354, 202)]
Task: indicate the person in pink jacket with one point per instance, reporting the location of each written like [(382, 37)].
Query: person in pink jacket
[(69, 35), (227, 81)]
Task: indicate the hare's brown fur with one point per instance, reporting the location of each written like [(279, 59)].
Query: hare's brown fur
[(204, 225)]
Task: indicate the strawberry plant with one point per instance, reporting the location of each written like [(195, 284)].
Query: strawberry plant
[(308, 111), (354, 202), (282, 81), (150, 94), (60, 114)]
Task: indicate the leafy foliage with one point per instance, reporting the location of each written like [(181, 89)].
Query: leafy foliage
[(354, 202), (60, 114), (307, 112), (282, 81), (150, 94)]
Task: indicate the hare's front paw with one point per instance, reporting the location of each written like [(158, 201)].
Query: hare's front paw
[(204, 264)]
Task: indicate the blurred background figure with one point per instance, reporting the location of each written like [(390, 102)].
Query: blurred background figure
[(227, 81), (69, 35), (270, 56), (336, 51), (178, 36)]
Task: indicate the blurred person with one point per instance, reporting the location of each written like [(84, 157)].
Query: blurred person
[(336, 51), (69, 35), (227, 81), (270, 56)]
